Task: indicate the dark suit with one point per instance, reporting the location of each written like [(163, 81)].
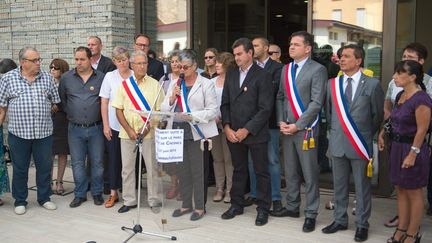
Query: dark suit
[(249, 106), (310, 83), (106, 65), (274, 69), (155, 68), (367, 113)]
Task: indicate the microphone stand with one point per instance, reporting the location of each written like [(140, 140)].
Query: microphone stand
[(137, 228)]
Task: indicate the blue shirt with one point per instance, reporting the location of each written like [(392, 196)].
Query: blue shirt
[(29, 103)]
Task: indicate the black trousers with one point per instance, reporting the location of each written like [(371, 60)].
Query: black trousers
[(239, 155)]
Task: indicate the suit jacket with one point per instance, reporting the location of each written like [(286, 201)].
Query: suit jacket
[(274, 68), (155, 68), (250, 105), (366, 111), (106, 65), (202, 103), (310, 83)]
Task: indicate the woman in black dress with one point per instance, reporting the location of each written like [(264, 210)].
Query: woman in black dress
[(60, 145)]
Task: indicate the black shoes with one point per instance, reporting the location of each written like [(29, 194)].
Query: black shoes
[(309, 225), (333, 228), (283, 212), (261, 218), (231, 213), (77, 202), (195, 216), (178, 212), (125, 208), (361, 234), (249, 201), (98, 200)]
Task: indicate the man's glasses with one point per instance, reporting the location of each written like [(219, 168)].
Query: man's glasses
[(184, 67), (54, 67), (272, 52), (36, 60), (142, 45), (209, 57)]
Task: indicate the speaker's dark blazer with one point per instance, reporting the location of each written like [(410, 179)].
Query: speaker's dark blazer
[(155, 68), (250, 105), (106, 65), (274, 68)]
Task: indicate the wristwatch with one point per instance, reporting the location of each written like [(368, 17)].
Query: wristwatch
[(415, 149)]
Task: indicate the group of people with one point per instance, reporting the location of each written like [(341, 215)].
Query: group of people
[(246, 103)]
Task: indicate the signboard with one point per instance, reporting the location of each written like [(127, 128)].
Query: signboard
[(169, 145)]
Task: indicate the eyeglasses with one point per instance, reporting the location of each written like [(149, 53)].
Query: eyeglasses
[(142, 45), (120, 60), (140, 63), (184, 67), (54, 67), (272, 52), (36, 60), (209, 57)]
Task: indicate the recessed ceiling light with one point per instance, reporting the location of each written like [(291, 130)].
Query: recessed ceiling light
[(278, 15), (306, 1)]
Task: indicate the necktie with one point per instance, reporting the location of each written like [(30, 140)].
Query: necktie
[(348, 91), (295, 70)]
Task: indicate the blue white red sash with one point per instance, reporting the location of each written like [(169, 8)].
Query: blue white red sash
[(183, 103), (348, 125), (135, 95), (297, 106)]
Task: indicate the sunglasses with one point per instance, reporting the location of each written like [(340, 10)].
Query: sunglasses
[(272, 52), (54, 67), (184, 67), (209, 57)]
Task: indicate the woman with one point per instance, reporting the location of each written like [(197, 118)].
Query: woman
[(165, 81), (60, 146), (6, 65), (408, 153), (111, 126), (198, 94), (210, 62), (222, 163)]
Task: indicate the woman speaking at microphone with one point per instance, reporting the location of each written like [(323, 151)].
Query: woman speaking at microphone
[(194, 96)]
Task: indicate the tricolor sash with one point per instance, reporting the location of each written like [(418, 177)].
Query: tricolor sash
[(135, 95), (348, 125), (183, 103), (297, 106)]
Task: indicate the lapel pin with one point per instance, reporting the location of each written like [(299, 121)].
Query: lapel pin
[(245, 89), (362, 81)]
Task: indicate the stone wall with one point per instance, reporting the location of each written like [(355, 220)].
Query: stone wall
[(56, 27)]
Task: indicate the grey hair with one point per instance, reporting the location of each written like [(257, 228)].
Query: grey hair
[(137, 53), (188, 55), (120, 51), (23, 52)]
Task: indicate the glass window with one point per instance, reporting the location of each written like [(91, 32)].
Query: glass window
[(337, 14), (338, 23)]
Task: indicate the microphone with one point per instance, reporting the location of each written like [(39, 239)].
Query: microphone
[(181, 77)]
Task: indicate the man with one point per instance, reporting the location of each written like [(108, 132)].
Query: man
[(298, 106), (79, 92), (246, 107), (353, 127), (262, 58), (99, 61), (155, 68), (104, 64), (132, 125), (275, 52), (27, 94)]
